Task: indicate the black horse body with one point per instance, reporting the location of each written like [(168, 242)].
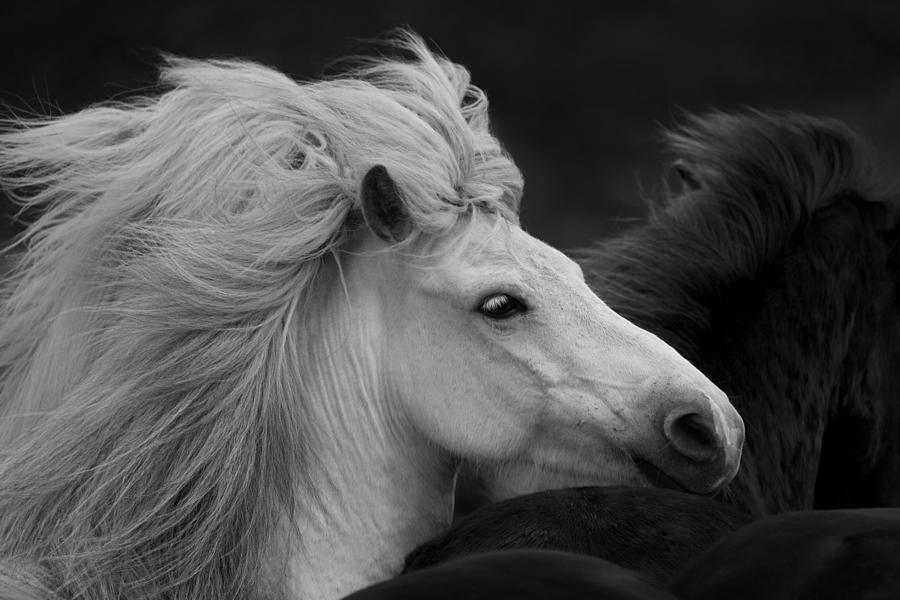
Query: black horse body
[(775, 271)]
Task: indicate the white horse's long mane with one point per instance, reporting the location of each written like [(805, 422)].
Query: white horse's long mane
[(148, 390)]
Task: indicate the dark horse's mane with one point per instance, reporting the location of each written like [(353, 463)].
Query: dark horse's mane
[(775, 271)]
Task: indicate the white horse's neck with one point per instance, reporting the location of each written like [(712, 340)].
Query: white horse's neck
[(365, 523), (375, 488)]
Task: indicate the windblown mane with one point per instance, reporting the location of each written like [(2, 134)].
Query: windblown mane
[(145, 329), (773, 273), (757, 178)]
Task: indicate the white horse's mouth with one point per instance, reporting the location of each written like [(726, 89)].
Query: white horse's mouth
[(564, 476), (656, 477)]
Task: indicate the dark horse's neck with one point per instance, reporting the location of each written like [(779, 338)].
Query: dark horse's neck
[(772, 275)]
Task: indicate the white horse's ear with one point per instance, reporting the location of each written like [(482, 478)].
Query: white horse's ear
[(383, 207)]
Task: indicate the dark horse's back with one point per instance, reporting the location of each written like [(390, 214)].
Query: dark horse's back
[(775, 270), (517, 575), (822, 554), (616, 523)]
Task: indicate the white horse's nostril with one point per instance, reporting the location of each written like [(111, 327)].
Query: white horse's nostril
[(693, 434)]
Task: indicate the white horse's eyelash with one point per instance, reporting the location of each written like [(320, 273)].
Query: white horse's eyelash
[(495, 302)]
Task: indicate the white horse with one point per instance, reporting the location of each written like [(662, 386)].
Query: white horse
[(259, 323)]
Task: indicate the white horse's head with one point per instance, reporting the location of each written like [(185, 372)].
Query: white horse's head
[(497, 351)]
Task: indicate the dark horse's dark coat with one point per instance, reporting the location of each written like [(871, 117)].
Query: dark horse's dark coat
[(825, 555), (517, 575), (612, 523), (775, 271)]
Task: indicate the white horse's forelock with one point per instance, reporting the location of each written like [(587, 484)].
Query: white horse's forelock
[(145, 326)]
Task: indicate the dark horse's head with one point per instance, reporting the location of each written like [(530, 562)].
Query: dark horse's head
[(775, 271)]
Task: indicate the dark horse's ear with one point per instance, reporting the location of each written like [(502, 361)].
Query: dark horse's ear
[(690, 181), (382, 206)]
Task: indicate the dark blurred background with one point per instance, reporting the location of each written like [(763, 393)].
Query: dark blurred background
[(578, 95)]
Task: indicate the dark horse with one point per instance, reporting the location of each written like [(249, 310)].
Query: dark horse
[(774, 270)]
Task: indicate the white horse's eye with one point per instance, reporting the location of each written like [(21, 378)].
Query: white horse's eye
[(501, 306)]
